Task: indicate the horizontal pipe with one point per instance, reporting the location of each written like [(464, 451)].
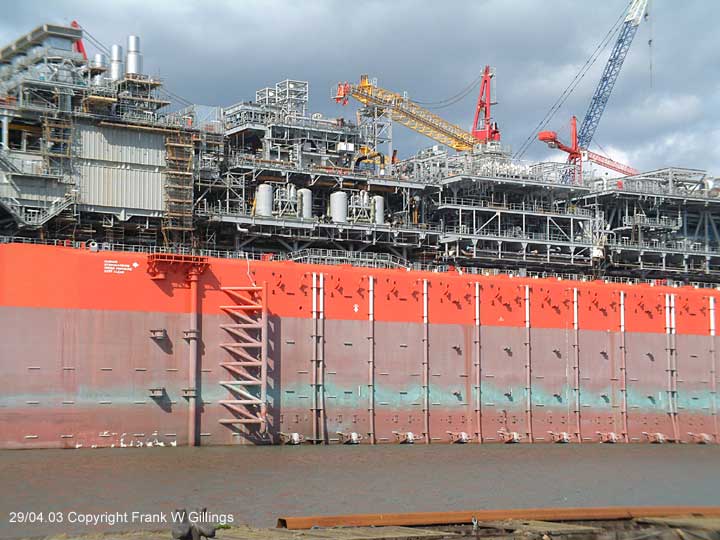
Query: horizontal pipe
[(466, 516)]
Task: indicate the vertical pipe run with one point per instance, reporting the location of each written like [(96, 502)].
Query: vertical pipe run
[(371, 359), (713, 369), (264, 357), (623, 370), (668, 383), (426, 364), (194, 343), (478, 368), (321, 362), (5, 140), (528, 368), (313, 361), (576, 367), (673, 371)]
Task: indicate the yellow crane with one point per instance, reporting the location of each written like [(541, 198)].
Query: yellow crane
[(407, 113)]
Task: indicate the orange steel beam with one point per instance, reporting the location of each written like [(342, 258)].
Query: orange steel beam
[(466, 516)]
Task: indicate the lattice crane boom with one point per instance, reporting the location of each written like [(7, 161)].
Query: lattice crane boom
[(406, 112), (611, 72)]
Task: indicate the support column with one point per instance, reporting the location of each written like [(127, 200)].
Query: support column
[(194, 346)]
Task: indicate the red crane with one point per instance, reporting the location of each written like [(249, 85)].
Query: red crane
[(483, 128), (576, 154), (79, 45)]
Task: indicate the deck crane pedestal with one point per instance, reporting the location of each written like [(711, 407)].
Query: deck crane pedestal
[(484, 129)]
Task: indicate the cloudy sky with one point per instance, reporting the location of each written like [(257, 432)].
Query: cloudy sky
[(665, 109)]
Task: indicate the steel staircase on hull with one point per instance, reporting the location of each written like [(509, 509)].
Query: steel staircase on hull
[(247, 365)]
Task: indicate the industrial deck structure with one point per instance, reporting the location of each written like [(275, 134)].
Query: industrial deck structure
[(257, 273), (88, 154)]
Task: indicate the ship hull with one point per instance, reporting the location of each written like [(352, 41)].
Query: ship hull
[(380, 353)]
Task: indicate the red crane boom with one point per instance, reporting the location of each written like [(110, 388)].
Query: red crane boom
[(483, 128), (576, 154)]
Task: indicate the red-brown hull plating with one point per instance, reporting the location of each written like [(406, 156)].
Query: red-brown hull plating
[(95, 352)]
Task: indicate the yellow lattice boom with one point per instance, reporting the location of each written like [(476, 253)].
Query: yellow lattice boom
[(411, 115)]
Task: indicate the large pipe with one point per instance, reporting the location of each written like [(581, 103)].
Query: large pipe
[(321, 362), (713, 369), (314, 370), (673, 371), (623, 370), (576, 367), (5, 133), (478, 368), (465, 517), (426, 364), (194, 343), (528, 368), (371, 359), (264, 356)]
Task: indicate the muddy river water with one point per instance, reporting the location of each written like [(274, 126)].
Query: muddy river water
[(256, 485)]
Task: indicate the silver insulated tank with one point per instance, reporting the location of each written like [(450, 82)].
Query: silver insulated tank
[(379, 209), (264, 200), (338, 207), (304, 198), (99, 62), (134, 56), (117, 67)]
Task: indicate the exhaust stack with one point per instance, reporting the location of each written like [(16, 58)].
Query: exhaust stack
[(134, 56)]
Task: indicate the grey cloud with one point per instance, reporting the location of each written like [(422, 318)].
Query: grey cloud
[(220, 52)]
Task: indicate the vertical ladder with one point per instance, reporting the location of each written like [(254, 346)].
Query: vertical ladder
[(178, 212), (247, 365)]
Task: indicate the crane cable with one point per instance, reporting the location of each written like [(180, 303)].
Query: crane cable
[(573, 84), (452, 99)]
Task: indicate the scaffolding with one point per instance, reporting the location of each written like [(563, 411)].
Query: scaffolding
[(179, 186), (56, 150)]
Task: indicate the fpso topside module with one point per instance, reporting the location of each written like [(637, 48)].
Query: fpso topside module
[(255, 273)]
